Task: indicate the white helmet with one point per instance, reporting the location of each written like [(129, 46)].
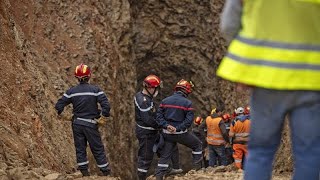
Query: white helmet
[(239, 110)]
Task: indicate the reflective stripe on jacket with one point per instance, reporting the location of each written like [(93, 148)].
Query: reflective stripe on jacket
[(85, 99), (145, 114), (214, 135), (278, 46), (241, 129), (175, 110)]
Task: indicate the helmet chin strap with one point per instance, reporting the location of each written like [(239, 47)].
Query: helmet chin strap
[(152, 95)]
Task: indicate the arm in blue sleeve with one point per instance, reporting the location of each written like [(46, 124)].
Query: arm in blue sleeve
[(160, 118), (104, 103), (63, 102), (187, 120), (230, 23)]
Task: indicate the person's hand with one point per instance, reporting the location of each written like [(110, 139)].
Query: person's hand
[(171, 129), (63, 117), (102, 121)]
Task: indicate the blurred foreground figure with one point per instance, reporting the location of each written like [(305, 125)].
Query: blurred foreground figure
[(275, 49)]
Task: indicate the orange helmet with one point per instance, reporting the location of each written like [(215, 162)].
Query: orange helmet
[(185, 85), (198, 120), (247, 110), (82, 71), (152, 81), (226, 117)]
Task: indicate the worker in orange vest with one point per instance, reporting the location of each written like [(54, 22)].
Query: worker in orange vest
[(239, 131), (217, 137)]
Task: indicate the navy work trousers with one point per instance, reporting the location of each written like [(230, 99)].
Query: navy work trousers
[(145, 155), (171, 140), (82, 135)]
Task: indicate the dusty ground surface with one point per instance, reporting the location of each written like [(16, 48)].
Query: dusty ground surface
[(217, 173), (41, 41)]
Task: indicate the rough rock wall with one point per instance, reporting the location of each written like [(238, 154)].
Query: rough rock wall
[(40, 44), (181, 39)]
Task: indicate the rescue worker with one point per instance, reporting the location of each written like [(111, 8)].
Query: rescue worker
[(175, 116), (276, 51), (217, 137), (147, 130), (239, 130), (227, 122), (197, 132), (247, 111), (85, 98)]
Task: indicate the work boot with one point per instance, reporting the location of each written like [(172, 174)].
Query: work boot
[(85, 172), (175, 171), (106, 172)]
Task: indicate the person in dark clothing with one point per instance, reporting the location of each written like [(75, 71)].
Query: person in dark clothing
[(197, 132), (85, 98), (175, 116), (217, 137), (229, 152), (147, 130)]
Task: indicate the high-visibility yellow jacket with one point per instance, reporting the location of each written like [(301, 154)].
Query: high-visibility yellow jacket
[(278, 46)]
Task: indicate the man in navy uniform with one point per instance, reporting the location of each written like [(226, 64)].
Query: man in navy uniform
[(147, 130), (175, 116), (85, 98)]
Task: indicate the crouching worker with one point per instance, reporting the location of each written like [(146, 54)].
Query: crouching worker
[(85, 98)]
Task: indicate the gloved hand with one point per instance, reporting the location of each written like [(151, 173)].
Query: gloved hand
[(102, 121), (63, 117)]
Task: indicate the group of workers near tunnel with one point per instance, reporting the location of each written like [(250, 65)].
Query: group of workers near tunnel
[(274, 52), (159, 129)]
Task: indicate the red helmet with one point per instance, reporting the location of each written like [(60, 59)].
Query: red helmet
[(247, 110), (226, 117), (198, 120), (82, 71), (152, 81), (185, 85)]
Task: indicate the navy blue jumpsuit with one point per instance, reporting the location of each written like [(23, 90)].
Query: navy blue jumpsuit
[(177, 111), (85, 98)]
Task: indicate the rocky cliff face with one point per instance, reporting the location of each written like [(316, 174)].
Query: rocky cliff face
[(41, 41)]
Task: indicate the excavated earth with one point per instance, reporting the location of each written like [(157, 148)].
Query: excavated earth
[(41, 41)]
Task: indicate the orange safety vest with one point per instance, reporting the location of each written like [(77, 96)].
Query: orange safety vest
[(214, 136), (241, 130)]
